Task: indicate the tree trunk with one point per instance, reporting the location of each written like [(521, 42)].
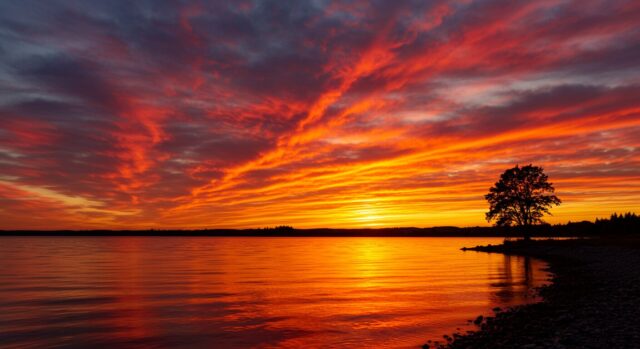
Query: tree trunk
[(526, 232)]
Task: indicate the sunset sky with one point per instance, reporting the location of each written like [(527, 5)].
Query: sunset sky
[(194, 114)]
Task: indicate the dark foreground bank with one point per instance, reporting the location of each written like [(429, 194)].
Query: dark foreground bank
[(594, 301)]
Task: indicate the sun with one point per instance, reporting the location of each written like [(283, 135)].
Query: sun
[(369, 216)]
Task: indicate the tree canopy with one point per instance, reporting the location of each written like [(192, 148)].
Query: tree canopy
[(521, 197)]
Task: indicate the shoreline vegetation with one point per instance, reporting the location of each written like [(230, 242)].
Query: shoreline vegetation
[(592, 301)]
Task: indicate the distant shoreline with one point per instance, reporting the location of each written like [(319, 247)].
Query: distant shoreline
[(323, 232), (591, 303), (627, 224)]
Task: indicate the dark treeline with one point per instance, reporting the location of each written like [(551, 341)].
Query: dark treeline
[(617, 224)]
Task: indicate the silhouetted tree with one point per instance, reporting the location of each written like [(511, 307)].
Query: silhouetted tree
[(521, 197)]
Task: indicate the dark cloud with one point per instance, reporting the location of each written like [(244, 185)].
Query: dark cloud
[(74, 78), (536, 108)]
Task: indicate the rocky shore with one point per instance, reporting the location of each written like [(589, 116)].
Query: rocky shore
[(593, 302)]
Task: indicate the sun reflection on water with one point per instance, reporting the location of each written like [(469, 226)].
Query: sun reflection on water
[(244, 292)]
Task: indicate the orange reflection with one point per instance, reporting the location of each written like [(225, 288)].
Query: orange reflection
[(241, 292)]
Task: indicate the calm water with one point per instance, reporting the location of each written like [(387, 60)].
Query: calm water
[(249, 292)]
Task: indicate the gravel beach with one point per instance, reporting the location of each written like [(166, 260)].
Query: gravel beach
[(593, 302)]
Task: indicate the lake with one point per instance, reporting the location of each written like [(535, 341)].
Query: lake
[(239, 292)]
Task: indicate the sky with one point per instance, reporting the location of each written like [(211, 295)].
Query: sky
[(236, 114)]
